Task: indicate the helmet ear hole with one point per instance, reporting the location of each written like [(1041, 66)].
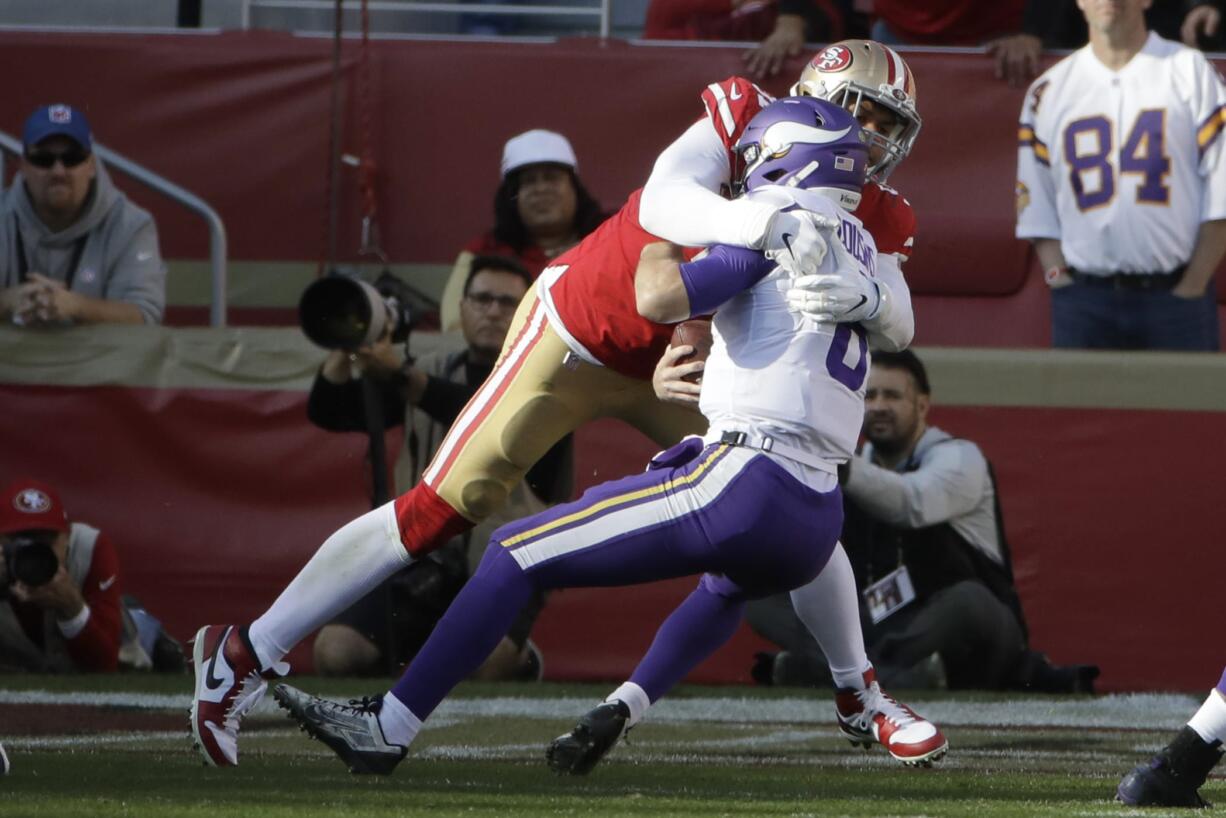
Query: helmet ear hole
[(774, 175)]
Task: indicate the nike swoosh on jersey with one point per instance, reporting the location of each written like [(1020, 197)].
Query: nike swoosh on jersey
[(734, 93), (144, 256), (107, 583)]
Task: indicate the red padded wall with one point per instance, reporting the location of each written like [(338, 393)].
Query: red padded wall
[(242, 120), (216, 497)]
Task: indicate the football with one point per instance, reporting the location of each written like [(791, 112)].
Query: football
[(696, 333)]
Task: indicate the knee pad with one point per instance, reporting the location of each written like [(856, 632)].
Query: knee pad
[(482, 497)]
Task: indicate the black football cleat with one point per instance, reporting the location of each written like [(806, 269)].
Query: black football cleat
[(1173, 776), (578, 751)]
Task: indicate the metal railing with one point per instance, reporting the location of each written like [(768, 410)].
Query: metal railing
[(603, 10), (160, 184)]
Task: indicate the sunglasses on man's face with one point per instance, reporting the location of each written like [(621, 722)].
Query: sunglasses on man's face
[(46, 159)]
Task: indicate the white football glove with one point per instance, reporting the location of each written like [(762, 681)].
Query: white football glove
[(797, 240), (842, 297)]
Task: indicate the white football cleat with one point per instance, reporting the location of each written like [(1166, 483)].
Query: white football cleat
[(871, 716)]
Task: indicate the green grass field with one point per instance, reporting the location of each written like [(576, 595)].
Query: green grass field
[(123, 749)]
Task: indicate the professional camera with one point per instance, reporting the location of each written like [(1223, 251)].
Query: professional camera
[(29, 557), (341, 311)]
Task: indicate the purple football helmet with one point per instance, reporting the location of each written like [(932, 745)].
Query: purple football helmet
[(808, 143)]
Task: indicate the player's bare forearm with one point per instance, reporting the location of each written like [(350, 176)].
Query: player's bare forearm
[(659, 291), (1210, 247)]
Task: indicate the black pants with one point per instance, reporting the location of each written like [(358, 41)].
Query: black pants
[(975, 634)]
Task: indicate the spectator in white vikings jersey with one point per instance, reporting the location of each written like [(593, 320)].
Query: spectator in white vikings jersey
[(1121, 186)]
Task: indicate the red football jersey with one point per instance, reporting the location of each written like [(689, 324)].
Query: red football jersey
[(886, 215), (591, 289)]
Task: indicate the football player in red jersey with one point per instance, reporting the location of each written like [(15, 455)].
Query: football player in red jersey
[(577, 350), (685, 201)]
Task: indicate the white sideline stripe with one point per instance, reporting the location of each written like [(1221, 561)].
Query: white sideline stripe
[(99, 739), (1152, 711)]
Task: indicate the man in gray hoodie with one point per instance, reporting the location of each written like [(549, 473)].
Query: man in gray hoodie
[(73, 249)]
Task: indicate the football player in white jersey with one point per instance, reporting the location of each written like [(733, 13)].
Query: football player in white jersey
[(754, 506), (1122, 187), (682, 202)]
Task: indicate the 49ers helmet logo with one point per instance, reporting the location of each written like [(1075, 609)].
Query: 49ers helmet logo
[(32, 501), (832, 59)]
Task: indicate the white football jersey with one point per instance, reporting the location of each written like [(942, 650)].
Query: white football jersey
[(1123, 166), (777, 373)]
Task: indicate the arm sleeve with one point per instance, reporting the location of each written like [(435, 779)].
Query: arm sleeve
[(721, 274), (949, 483), (443, 400), (139, 274), (894, 328), (681, 201), (1037, 216), (95, 647), (1210, 116)]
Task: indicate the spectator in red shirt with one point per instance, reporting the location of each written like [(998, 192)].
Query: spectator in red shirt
[(783, 26), (541, 210), (944, 22), (66, 614)]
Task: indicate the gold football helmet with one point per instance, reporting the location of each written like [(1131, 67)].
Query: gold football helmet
[(850, 71)]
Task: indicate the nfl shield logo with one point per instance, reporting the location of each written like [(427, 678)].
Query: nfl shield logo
[(60, 114)]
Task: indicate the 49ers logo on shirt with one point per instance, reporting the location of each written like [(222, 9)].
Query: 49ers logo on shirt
[(832, 59)]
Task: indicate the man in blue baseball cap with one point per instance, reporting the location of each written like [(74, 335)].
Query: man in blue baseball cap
[(73, 249)]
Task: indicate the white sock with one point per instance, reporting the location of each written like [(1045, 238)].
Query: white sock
[(350, 563), (830, 609), (397, 722), (635, 698), (1210, 721)]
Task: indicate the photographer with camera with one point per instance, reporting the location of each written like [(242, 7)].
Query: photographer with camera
[(61, 608), (384, 630)]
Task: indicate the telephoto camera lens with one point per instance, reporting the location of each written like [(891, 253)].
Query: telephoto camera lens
[(340, 312), (31, 560)]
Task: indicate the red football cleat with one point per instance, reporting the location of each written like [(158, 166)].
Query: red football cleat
[(872, 715), (228, 684)]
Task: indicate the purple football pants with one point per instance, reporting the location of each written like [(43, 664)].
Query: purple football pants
[(726, 511)]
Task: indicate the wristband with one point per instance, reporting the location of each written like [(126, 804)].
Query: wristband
[(69, 628), (1053, 273)]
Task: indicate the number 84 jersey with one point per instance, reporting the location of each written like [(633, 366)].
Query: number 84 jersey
[(1123, 166)]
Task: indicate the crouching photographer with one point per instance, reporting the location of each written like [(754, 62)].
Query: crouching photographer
[(60, 580), (925, 538), (368, 383)]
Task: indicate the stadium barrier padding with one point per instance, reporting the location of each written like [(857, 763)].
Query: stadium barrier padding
[(191, 448), (242, 119)]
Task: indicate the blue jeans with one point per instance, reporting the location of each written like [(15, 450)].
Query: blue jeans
[(1087, 316)]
